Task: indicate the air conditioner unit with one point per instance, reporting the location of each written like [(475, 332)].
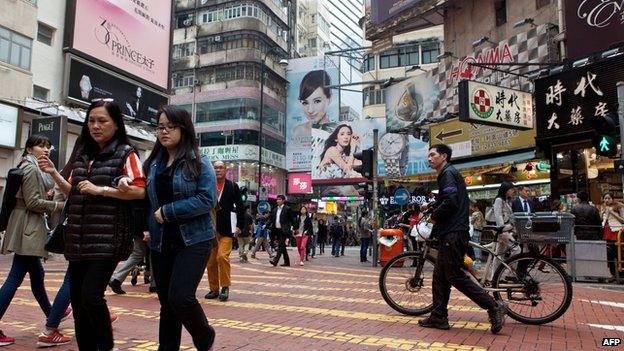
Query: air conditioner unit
[(174, 76), (195, 81), (217, 38)]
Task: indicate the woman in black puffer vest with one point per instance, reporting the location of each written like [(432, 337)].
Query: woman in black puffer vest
[(106, 174)]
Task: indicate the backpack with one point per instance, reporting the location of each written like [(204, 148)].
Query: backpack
[(335, 230), (13, 185)]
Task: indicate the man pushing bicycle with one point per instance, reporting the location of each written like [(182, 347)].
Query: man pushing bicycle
[(450, 226)]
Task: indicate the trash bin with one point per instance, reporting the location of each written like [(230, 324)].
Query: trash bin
[(390, 245)]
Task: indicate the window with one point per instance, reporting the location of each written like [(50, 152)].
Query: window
[(45, 34), (410, 56), (183, 50), (312, 43), (541, 3), (500, 11), (430, 52), (374, 96), (15, 49), (185, 20), (389, 59), (182, 80), (369, 63), (40, 93)]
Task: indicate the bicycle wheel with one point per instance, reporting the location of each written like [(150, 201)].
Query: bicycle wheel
[(538, 290), (405, 283)]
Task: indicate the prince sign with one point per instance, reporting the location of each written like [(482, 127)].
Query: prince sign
[(493, 105)]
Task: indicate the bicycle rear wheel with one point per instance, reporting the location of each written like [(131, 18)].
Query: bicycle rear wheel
[(405, 283), (537, 289)]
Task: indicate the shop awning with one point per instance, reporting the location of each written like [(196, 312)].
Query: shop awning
[(497, 161), (476, 167)]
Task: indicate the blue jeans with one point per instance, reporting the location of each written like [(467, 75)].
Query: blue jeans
[(476, 237), (178, 271), (60, 304), (364, 248), (336, 247), (21, 266)]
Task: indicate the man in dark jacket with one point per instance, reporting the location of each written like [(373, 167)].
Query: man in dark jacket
[(229, 205), (522, 203), (450, 226), (280, 222), (588, 223)]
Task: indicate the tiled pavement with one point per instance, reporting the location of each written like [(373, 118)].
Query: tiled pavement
[(329, 304)]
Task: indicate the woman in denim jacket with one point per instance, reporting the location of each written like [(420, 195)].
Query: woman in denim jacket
[(181, 187)]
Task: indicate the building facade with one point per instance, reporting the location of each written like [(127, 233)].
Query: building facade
[(34, 62), (220, 52)]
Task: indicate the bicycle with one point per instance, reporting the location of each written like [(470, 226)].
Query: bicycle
[(523, 281)]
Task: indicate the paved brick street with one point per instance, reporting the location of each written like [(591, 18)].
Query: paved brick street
[(329, 304)]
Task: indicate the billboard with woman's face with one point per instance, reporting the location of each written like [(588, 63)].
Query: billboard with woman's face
[(311, 110)]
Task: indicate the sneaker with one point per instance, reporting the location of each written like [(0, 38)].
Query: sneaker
[(5, 340), (225, 294), (433, 322), (55, 338), (497, 317), (115, 285), (211, 295), (301, 263), (253, 256), (113, 317), (67, 313), (152, 289)]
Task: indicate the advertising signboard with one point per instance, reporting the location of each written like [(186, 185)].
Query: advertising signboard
[(132, 36), (299, 183), (9, 123), (87, 82), (385, 18), (409, 102), (312, 111), (239, 152), (494, 105), (468, 139), (566, 102), (592, 25), (55, 128)]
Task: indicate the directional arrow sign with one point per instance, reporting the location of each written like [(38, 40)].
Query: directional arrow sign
[(443, 135), (401, 196)]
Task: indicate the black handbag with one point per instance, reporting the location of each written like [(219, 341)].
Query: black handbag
[(55, 241), (13, 184)]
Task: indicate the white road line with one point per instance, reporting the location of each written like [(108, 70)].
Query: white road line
[(619, 328), (606, 303)]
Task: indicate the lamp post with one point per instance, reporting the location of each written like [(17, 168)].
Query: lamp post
[(282, 63)]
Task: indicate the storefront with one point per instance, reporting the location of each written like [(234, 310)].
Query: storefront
[(569, 106), (242, 163)]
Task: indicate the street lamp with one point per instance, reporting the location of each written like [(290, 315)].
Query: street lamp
[(283, 63)]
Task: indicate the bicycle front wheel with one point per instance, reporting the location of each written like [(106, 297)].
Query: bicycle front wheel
[(536, 289), (406, 282)]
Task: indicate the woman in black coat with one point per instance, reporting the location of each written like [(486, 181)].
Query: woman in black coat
[(322, 235)]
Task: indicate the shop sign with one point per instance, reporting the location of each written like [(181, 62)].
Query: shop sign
[(463, 69), (593, 25), (566, 102), (413, 200), (242, 152), (468, 139), (55, 128), (493, 105), (299, 183), (9, 123)]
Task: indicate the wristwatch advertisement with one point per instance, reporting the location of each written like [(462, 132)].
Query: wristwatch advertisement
[(394, 149)]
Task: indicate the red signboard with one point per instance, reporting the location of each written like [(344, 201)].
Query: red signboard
[(300, 183)]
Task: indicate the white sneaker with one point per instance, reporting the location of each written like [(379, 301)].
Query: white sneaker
[(301, 263)]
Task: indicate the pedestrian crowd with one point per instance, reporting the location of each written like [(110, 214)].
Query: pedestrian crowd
[(171, 217)]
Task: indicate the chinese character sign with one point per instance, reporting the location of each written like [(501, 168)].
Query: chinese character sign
[(567, 102), (299, 183), (493, 105)]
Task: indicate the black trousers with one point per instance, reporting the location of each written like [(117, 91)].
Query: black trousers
[(178, 269), (281, 246), (448, 272), (91, 316)]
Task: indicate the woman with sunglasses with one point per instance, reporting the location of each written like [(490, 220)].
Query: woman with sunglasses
[(106, 174), (181, 186)]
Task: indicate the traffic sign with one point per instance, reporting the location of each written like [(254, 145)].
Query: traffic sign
[(264, 207), (263, 193), (401, 196)]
